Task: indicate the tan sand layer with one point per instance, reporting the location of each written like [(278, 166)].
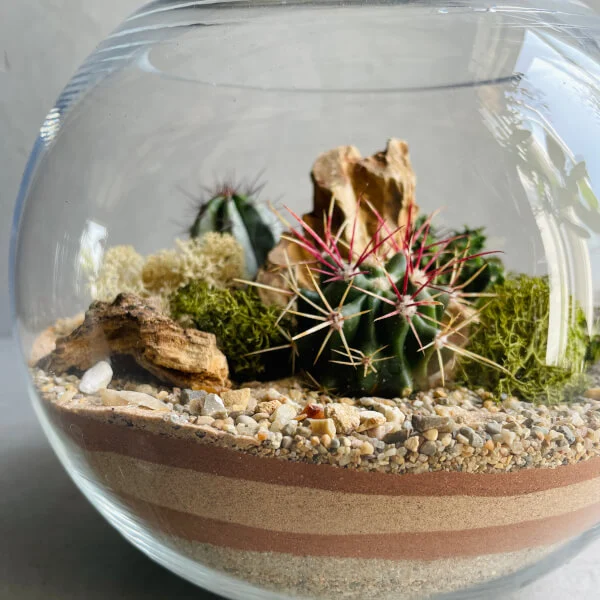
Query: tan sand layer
[(285, 508)]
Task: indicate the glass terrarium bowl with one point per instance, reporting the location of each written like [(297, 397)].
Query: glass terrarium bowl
[(276, 364)]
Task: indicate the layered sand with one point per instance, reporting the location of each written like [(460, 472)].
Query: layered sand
[(298, 520), (326, 531)]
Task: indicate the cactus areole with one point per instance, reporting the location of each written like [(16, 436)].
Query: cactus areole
[(229, 211)]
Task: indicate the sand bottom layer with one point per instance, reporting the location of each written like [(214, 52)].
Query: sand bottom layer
[(330, 578)]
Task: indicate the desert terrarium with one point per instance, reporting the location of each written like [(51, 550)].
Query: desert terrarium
[(307, 292)]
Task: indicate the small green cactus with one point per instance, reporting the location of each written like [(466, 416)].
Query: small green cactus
[(229, 210), (384, 320)]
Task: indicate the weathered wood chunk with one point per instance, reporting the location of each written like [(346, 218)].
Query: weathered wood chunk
[(129, 326)]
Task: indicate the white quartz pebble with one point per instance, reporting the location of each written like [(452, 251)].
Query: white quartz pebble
[(282, 416), (96, 378), (213, 406)]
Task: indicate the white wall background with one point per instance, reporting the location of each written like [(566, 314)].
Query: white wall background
[(42, 42)]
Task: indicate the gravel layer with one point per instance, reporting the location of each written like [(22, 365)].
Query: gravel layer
[(438, 430)]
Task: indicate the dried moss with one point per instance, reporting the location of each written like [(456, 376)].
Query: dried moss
[(215, 258), (121, 271), (513, 332), (241, 323)]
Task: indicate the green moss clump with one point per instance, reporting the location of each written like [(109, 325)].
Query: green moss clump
[(513, 332), (241, 323)]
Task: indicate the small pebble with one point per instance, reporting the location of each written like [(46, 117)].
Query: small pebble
[(425, 422), (322, 426), (268, 407), (474, 439), (290, 428), (237, 399), (446, 439), (366, 448), (428, 448), (568, 433), (395, 437), (493, 428), (431, 435), (282, 416), (508, 437), (96, 378), (370, 419), (213, 406), (188, 395), (461, 439), (412, 443), (394, 415)]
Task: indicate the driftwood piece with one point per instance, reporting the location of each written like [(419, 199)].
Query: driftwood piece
[(386, 181), (46, 341), (129, 326)]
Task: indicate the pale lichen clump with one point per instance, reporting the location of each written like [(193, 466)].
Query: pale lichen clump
[(121, 271), (215, 258)]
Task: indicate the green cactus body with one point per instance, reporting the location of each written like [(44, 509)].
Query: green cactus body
[(394, 341), (231, 212)]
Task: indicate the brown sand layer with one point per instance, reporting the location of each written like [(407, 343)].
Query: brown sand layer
[(90, 429), (306, 510), (430, 545)]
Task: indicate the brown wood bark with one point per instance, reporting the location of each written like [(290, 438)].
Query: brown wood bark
[(129, 326)]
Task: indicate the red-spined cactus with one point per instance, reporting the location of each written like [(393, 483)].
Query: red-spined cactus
[(386, 319)]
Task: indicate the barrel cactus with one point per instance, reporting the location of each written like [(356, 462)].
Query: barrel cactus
[(230, 210), (384, 320)]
